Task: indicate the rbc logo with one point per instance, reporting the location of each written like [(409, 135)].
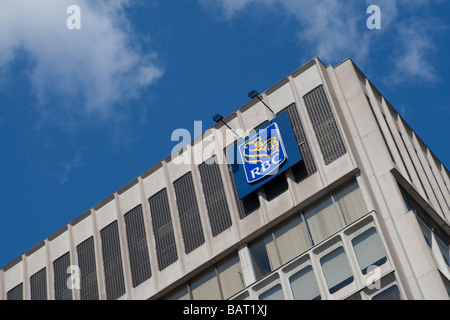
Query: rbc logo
[(262, 153)]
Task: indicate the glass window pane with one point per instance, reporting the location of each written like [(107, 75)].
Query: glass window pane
[(206, 287), (389, 294), (351, 203), (426, 233), (369, 250), (181, 294), (304, 285), (292, 239), (230, 277), (274, 293), (444, 250), (264, 256), (336, 270), (323, 220)]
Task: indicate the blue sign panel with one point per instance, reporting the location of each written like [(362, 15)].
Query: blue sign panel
[(263, 153), (262, 156)]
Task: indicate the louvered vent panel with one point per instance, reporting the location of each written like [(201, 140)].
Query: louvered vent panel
[(216, 202), (191, 226), (324, 124), (166, 249), (137, 246)]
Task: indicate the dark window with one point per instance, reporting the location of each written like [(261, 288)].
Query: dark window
[(112, 261), (260, 257), (276, 186), (191, 226), (88, 270), (137, 246), (166, 249), (216, 202), (369, 250), (380, 130), (336, 270)]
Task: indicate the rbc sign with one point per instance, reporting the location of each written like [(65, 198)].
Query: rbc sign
[(262, 154), (260, 157)]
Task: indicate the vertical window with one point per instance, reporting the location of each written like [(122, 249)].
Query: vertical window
[(336, 270), (206, 286), (230, 276), (304, 285), (291, 239), (181, 294), (274, 293), (323, 220), (369, 250), (396, 146), (445, 251), (38, 285), (380, 130), (112, 261), (264, 256), (60, 266), (278, 247), (351, 202), (219, 282), (88, 270), (426, 233), (137, 246)]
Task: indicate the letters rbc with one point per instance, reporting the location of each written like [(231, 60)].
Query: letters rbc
[(265, 166)]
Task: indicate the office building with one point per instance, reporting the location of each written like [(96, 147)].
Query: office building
[(321, 191)]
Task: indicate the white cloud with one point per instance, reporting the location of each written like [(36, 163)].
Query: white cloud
[(69, 166), (336, 29), (412, 61), (76, 73), (329, 29)]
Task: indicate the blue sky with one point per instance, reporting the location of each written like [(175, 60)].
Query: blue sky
[(83, 112)]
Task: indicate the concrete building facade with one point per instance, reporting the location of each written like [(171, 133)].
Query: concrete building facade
[(364, 215)]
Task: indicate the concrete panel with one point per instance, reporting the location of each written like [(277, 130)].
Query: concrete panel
[(278, 206), (13, 275), (179, 165), (129, 198), (348, 79), (36, 261), (253, 117), (204, 148), (82, 230), (307, 80), (377, 153), (154, 182), (305, 189), (59, 245), (106, 213), (280, 96), (362, 115)]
